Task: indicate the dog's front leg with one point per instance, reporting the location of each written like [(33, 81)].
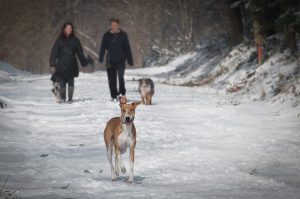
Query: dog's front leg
[(131, 163), (120, 163), (117, 168), (109, 155), (148, 99), (143, 101)]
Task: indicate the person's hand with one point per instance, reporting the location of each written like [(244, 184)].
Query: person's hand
[(53, 69), (90, 61)]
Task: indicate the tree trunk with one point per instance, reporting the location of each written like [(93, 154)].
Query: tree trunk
[(290, 36), (257, 30)]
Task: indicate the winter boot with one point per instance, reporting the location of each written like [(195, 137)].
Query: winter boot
[(70, 93), (63, 94)]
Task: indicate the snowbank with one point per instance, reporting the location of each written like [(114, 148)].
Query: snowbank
[(10, 70), (234, 72), (7, 72), (159, 70)]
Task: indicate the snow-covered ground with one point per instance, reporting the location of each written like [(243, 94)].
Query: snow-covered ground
[(192, 143)]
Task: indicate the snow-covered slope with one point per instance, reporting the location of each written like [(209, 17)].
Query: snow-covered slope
[(8, 72), (235, 72), (190, 144)]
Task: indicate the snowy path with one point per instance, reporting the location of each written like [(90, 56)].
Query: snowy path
[(190, 144)]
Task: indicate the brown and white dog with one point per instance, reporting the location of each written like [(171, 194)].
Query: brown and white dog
[(120, 134), (146, 89)]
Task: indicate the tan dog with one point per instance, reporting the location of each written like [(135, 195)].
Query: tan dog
[(119, 135), (146, 89)]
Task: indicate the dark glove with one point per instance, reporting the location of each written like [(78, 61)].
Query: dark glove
[(90, 61)]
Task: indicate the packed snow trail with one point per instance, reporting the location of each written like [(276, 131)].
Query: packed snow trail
[(190, 144)]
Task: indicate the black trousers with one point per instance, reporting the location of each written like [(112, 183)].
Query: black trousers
[(113, 72), (63, 83), (66, 80)]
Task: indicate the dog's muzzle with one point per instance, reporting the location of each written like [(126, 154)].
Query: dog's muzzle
[(127, 120)]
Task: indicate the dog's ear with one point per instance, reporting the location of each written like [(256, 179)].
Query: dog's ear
[(123, 99), (135, 104)]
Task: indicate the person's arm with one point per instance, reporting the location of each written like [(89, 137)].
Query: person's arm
[(54, 54), (80, 54), (128, 51), (103, 48)]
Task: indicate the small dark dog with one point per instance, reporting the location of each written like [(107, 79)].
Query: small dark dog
[(56, 90), (146, 89), (3, 104)]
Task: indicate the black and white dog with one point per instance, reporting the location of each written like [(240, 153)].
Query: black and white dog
[(56, 90)]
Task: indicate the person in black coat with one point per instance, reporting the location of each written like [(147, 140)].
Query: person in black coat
[(63, 60), (115, 45)]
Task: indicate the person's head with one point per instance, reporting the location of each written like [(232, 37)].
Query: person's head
[(114, 24), (67, 29)]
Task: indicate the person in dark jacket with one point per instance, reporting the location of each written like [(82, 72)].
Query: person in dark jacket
[(63, 59), (115, 45)]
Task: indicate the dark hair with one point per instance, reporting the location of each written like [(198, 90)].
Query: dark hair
[(63, 29), (114, 20)]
